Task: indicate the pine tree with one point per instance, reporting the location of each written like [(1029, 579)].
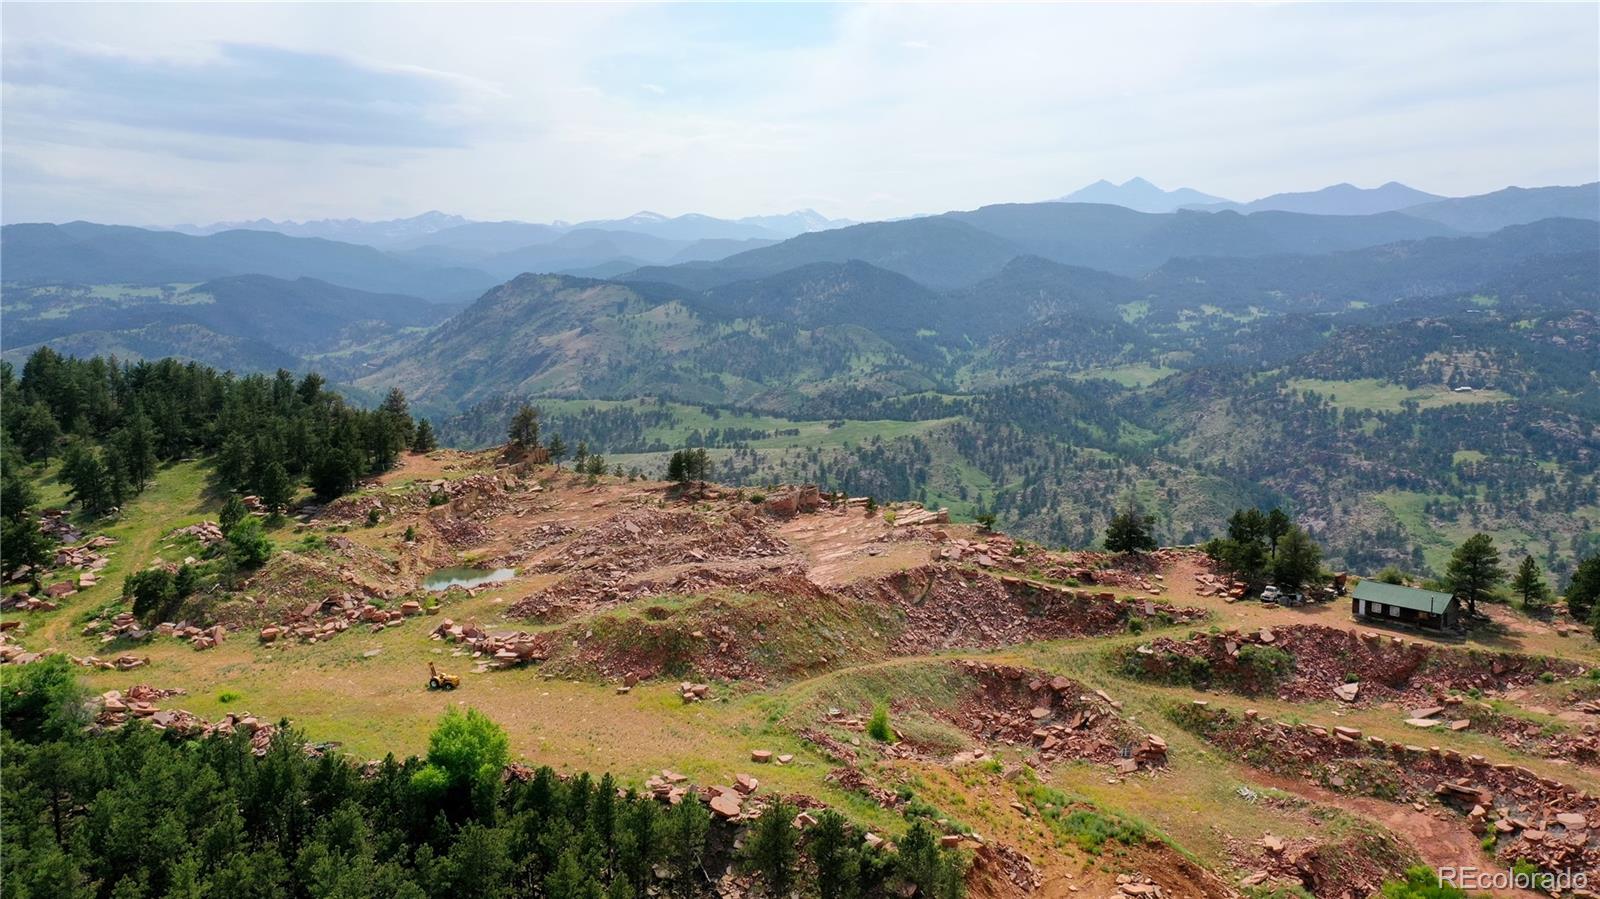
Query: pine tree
[(24, 543), (1474, 570), (1130, 530), (276, 488), (524, 430), (398, 411), (580, 455), (233, 463), (1277, 526), (334, 474), (833, 856), (424, 441), (557, 448), (36, 431), (86, 479), (1583, 594), (687, 826), (1529, 584), (919, 861), (773, 850), (569, 880), (154, 594), (136, 447), (233, 512), (1298, 559)]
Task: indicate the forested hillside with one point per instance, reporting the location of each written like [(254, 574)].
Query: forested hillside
[(1379, 373)]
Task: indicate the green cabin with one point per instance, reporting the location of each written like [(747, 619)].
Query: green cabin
[(1392, 603)]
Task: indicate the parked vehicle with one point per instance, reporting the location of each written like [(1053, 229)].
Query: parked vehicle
[(1271, 594)]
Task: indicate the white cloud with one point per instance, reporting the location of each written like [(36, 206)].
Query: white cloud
[(567, 111)]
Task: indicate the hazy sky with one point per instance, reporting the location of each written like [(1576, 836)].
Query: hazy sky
[(158, 114)]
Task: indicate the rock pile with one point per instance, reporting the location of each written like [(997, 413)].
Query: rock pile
[(208, 533), (502, 649), (85, 558), (668, 786), (22, 602), (198, 637), (321, 621), (1057, 716), (116, 710), (1138, 886), (57, 525), (13, 654)]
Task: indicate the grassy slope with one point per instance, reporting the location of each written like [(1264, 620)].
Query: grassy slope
[(1378, 396)]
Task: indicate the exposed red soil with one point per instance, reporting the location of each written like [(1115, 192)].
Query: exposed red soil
[(948, 607), (1389, 669), (1550, 823), (646, 537), (1351, 867)]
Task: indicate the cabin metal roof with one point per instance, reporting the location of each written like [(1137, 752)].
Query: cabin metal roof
[(1430, 601)]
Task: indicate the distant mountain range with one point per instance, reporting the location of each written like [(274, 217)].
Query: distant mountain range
[(919, 290), (958, 249), (1140, 195), (1513, 206), (1340, 199), (1479, 214), (88, 253), (421, 230), (375, 234)]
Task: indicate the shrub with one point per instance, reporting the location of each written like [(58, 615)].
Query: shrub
[(1266, 664), (154, 592), (248, 545), (878, 725), (1420, 883)]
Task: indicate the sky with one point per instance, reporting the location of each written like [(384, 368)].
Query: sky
[(180, 113)]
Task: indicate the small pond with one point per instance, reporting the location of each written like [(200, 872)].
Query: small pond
[(445, 578)]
